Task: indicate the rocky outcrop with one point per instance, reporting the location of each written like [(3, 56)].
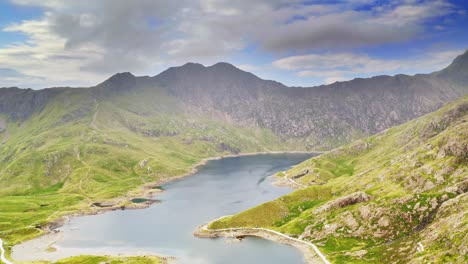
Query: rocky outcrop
[(350, 199)]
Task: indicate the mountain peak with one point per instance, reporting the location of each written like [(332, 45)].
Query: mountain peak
[(457, 71), (198, 66), (121, 76), (118, 78), (222, 64), (118, 82), (461, 59), (192, 65), (197, 70)]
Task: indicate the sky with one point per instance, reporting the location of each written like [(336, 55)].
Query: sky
[(49, 43)]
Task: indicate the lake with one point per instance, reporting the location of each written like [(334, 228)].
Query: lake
[(221, 187)]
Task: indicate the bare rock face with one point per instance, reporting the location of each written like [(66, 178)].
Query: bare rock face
[(350, 221), (354, 198), (383, 222), (300, 174), (365, 212)]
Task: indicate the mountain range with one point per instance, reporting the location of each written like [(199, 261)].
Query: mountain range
[(319, 117), (66, 149)]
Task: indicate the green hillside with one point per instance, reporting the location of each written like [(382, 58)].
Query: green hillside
[(82, 149), (399, 196)]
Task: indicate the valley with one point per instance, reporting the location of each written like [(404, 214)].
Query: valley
[(72, 151)]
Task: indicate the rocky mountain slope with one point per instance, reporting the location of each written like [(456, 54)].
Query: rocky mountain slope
[(320, 117), (397, 197), (63, 149)]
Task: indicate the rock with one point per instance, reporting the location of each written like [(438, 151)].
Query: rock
[(350, 221), (102, 204), (354, 198), (383, 222), (143, 163), (459, 188), (380, 233), (330, 227), (434, 203), (444, 171), (300, 174), (365, 212), (428, 186)]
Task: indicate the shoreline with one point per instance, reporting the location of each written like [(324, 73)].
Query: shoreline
[(39, 249), (311, 253), (146, 191)]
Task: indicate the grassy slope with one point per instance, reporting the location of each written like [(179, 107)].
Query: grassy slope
[(81, 150), (416, 175)]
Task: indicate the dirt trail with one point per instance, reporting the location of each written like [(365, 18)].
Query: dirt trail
[(86, 166)]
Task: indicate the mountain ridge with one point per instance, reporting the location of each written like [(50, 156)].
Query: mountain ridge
[(321, 117), (461, 61)]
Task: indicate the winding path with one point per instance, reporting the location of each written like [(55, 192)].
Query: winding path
[(314, 247), (293, 181), (2, 254)]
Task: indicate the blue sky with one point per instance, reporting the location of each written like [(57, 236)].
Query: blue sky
[(46, 43)]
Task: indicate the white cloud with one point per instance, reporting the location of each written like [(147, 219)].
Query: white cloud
[(342, 66), (82, 42), (412, 13), (44, 56)]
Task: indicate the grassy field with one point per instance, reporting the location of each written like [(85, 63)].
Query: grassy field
[(373, 201)]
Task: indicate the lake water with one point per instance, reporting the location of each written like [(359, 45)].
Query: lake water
[(222, 187)]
